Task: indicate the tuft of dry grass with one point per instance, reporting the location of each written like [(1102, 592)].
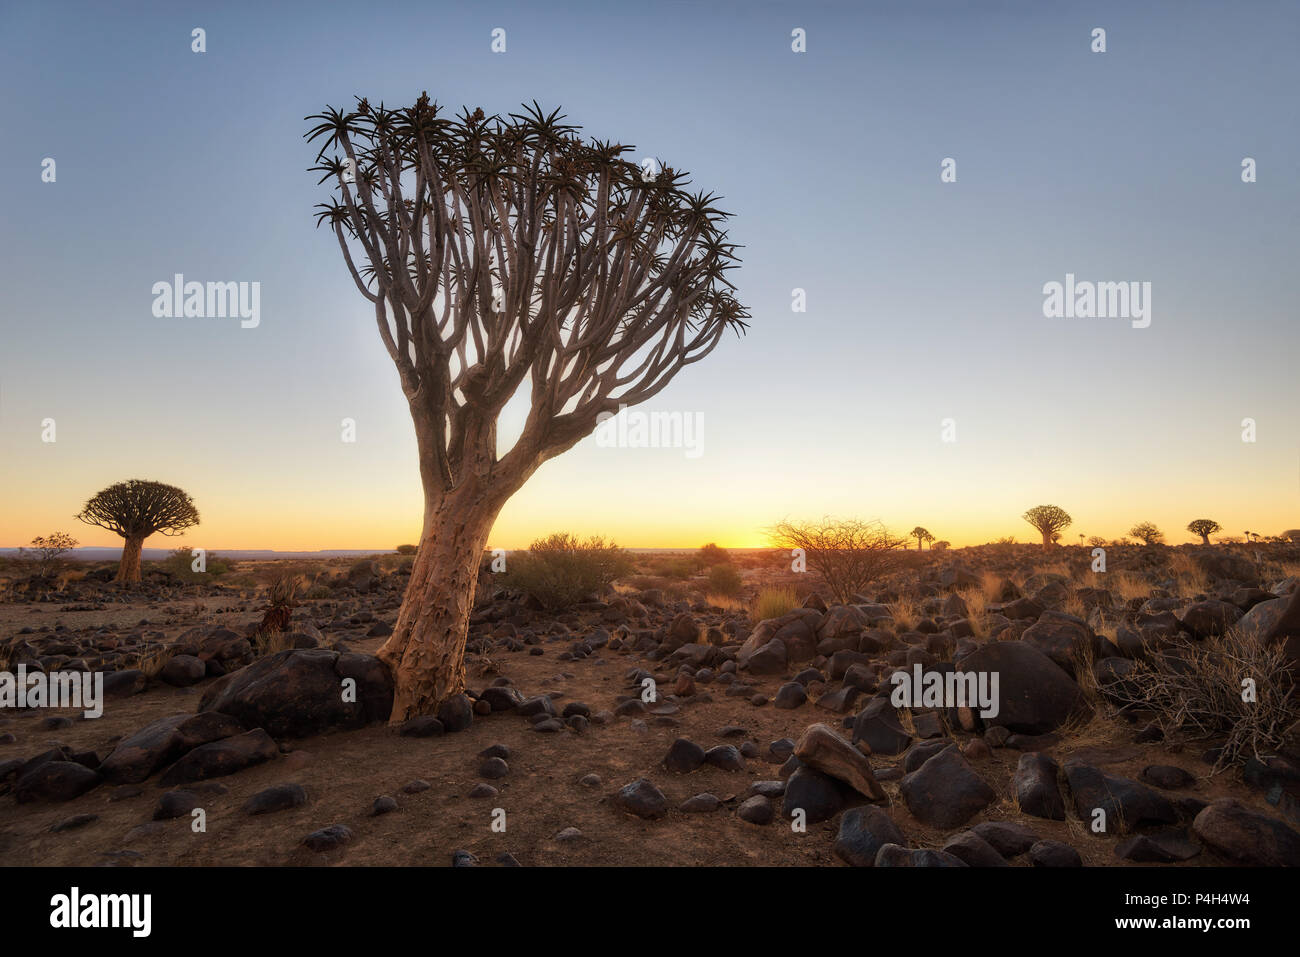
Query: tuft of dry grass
[(1191, 579), (725, 602), (773, 603), (905, 611)]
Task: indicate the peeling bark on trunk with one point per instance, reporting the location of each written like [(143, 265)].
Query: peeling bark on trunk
[(128, 569), (426, 652)]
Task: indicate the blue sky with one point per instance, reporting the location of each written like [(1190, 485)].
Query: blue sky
[(924, 298)]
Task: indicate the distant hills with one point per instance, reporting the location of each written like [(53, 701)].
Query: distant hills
[(238, 554)]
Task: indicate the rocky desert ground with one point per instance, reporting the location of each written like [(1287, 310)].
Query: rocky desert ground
[(663, 723)]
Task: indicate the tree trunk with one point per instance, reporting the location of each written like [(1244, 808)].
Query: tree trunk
[(1205, 538), (1047, 539), (426, 652), (128, 569)]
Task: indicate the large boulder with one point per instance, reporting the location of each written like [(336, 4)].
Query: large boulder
[(302, 692), (1126, 803), (1035, 695), (1208, 619), (945, 791), (797, 631), (1063, 638), (227, 756), (163, 741), (822, 749), (1247, 837)]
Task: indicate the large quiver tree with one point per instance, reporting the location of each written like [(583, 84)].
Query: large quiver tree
[(503, 254), (136, 509)]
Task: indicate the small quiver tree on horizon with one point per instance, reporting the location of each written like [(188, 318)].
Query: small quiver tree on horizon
[(1050, 520), (1204, 527), (136, 509)]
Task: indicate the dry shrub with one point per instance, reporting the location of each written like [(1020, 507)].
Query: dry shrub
[(1194, 688), (848, 554)]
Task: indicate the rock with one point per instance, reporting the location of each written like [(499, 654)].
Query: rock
[(1006, 837), (1257, 622), (877, 726), (568, 835), (298, 693), (590, 781), (863, 832), (328, 838), (822, 749), (163, 741), (726, 757), (683, 756), (756, 810), (384, 804), (502, 698), (281, 797), (54, 781), (893, 855), (123, 684), (770, 659), (482, 790), (220, 758), (1208, 619), (493, 768), (1126, 803), (1035, 695), (819, 795), (974, 850), (641, 798), (1037, 791), (1165, 848), (700, 804), (1246, 837), (73, 823), (1054, 854), (789, 696), (945, 791), (424, 726), (181, 671), (1167, 776), (463, 858), (1063, 638), (416, 786), (456, 713), (175, 803)]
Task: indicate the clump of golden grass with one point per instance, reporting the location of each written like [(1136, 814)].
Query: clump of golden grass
[(1197, 687), (725, 602), (1190, 577), (976, 600), (905, 611), (1128, 586), (773, 603)]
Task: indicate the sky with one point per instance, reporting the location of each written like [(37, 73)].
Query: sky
[(922, 385)]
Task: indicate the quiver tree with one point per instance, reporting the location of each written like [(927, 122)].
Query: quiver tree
[(136, 509), (506, 255), (1204, 527), (921, 535), (1147, 533), (1049, 520)]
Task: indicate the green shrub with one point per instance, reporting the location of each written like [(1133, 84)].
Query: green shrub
[(725, 580), (181, 564), (406, 549), (713, 554), (560, 570)]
